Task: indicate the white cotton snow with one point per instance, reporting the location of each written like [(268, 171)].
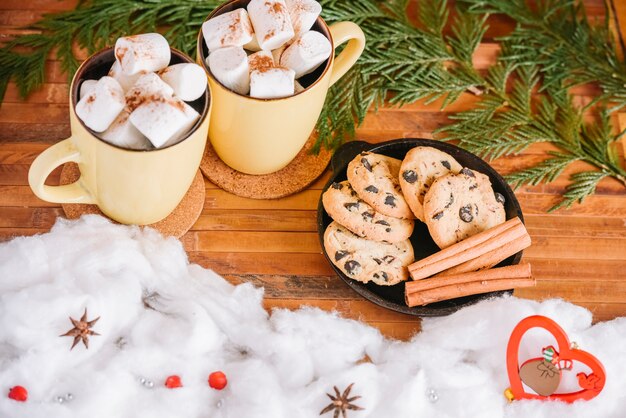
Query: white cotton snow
[(160, 315)]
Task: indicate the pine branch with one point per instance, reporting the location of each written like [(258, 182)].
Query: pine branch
[(583, 184), (407, 62), (93, 25), (558, 37), (544, 172)]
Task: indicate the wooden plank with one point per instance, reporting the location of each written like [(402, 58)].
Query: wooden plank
[(34, 113), (49, 93), (575, 226), (558, 269), (34, 218), (577, 291), (45, 134), (10, 19), (603, 206), (299, 286), (256, 220), (17, 175), (23, 153), (38, 4), (253, 241), (219, 199), (21, 196), (604, 311), (259, 263), (565, 247), (7, 234)]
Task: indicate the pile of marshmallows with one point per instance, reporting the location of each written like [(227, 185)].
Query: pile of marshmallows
[(140, 104), (280, 31)]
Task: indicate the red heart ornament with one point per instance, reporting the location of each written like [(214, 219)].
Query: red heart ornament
[(590, 384)]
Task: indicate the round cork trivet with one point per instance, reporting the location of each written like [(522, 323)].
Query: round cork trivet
[(301, 172), (176, 224)]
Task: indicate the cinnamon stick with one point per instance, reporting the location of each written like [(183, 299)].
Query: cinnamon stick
[(468, 249), (437, 289), (490, 259)]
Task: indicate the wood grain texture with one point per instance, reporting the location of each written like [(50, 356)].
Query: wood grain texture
[(578, 254)]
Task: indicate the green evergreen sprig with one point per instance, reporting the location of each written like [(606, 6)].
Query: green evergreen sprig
[(92, 26), (553, 48)]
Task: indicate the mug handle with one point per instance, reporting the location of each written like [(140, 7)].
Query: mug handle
[(60, 153), (351, 33)]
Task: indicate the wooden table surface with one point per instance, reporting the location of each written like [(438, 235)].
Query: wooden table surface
[(577, 254)]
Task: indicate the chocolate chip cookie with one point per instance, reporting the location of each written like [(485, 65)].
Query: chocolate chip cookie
[(458, 206), (420, 167), (375, 179), (364, 260), (344, 206)]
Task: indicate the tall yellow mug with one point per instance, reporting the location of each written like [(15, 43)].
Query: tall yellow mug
[(261, 136), (129, 186)]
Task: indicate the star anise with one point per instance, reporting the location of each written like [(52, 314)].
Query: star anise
[(341, 403), (82, 330)]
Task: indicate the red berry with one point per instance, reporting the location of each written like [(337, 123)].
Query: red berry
[(217, 380), (173, 382), (18, 393)]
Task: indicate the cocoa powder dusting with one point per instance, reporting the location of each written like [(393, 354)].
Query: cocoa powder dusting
[(233, 26), (277, 8), (178, 104), (269, 34), (136, 98), (261, 63)]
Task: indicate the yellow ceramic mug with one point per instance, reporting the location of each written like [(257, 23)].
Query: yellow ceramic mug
[(260, 136), (131, 187)]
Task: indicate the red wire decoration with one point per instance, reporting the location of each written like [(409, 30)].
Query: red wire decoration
[(590, 384)]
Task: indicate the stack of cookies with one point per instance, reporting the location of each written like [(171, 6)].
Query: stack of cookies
[(374, 211)]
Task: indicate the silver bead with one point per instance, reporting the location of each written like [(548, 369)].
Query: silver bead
[(432, 395), (60, 399), (149, 384), (142, 380), (69, 397), (219, 403)]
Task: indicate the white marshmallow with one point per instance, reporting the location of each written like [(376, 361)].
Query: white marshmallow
[(306, 53), (188, 80), (271, 23), (124, 134), (253, 45), (191, 117), (126, 81), (163, 120), (260, 61), (303, 14), (86, 87), (146, 52), (230, 67), (228, 29), (272, 83), (100, 107), (148, 86), (297, 87)]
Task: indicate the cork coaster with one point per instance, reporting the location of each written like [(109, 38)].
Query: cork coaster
[(176, 224), (301, 172)]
